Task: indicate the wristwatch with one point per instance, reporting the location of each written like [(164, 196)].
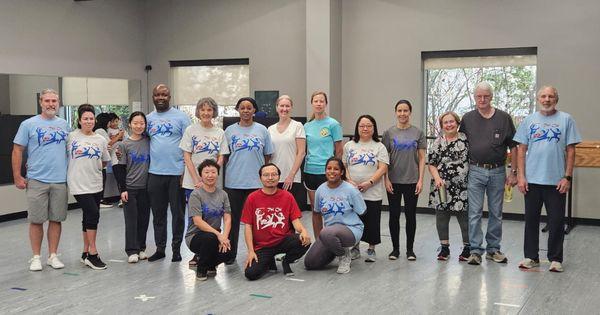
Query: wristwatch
[(567, 177)]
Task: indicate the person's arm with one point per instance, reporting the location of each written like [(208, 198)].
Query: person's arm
[(380, 172), (338, 149), (564, 184), (317, 221), (348, 175), (220, 160), (249, 245), (421, 154), (522, 180), (304, 238), (17, 161), (189, 165), (300, 153), (437, 179)]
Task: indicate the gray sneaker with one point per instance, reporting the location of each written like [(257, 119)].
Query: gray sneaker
[(344, 262), (355, 252), (474, 259), (371, 256), (497, 256)]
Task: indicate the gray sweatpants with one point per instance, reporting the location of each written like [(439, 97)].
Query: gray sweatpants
[(331, 243)]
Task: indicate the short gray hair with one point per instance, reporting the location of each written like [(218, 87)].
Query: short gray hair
[(547, 87), (48, 91), (210, 102), (486, 86)]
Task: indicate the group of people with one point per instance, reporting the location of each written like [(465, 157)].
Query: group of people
[(166, 162)]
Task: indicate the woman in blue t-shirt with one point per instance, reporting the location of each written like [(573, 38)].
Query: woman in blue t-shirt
[(323, 140), (250, 148), (338, 206)]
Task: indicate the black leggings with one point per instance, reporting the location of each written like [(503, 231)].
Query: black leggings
[(291, 246), (206, 246), (137, 217), (90, 208), (237, 198), (372, 221), (410, 209)]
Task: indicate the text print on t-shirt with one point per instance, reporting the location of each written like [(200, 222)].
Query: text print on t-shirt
[(246, 142), (161, 127), (85, 150), (545, 131), (269, 218), (334, 205), (363, 157), (399, 145), (49, 135), (209, 145)]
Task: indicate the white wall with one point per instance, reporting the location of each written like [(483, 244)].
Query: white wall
[(67, 38), (381, 59), (23, 92)]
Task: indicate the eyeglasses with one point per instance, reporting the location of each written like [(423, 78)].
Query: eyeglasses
[(365, 126)]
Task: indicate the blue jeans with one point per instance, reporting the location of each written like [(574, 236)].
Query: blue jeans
[(488, 182)]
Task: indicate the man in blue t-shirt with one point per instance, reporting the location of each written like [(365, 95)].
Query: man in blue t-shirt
[(165, 129), (45, 138), (546, 156)]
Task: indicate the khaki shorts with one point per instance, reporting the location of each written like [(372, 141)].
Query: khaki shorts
[(46, 201)]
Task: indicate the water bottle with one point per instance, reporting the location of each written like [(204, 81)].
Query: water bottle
[(508, 193), (443, 195)]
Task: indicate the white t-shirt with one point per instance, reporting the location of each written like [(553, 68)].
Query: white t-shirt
[(285, 148), (362, 160), (86, 154), (202, 143)]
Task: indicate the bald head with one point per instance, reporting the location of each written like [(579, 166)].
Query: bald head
[(161, 96)]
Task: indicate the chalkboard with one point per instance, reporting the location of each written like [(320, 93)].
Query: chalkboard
[(266, 102)]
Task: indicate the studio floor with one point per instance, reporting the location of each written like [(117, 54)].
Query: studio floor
[(424, 286)]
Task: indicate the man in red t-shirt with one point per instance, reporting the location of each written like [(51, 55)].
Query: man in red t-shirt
[(268, 215)]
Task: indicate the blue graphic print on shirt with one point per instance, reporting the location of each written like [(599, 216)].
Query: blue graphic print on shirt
[(139, 158), (208, 213), (367, 158), (407, 145), (332, 205), (544, 131), (246, 143), (49, 135), (160, 127), (209, 146), (85, 150)]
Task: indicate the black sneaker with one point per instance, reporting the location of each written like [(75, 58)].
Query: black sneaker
[(444, 252), (212, 271), (466, 252), (83, 257), (394, 254), (176, 256), (230, 261), (156, 256), (410, 255), (287, 271), (94, 262), (201, 273)]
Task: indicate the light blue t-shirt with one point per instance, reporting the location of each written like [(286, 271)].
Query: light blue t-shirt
[(341, 205), (247, 149), (546, 138), (165, 131), (46, 142), (320, 137)]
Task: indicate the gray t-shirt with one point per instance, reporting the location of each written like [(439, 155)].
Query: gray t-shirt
[(488, 138), (211, 206), (403, 146), (136, 155)]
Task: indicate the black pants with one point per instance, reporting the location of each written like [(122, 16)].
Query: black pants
[(137, 217), (554, 203), (237, 198), (299, 192), (372, 221), (164, 191), (290, 246), (410, 208), (90, 208), (206, 246)]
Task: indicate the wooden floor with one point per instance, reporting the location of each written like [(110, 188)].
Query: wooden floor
[(425, 286)]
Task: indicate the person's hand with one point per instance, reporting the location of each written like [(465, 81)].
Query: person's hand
[(21, 182), (224, 243), (511, 180), (522, 185), (419, 187), (304, 238), (362, 187), (198, 183), (120, 135), (388, 186), (287, 183), (124, 196), (251, 257), (438, 182), (563, 186), (118, 153)]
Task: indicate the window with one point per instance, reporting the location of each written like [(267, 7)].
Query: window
[(225, 80), (450, 77)]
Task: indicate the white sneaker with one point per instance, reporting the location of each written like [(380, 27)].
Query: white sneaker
[(344, 262), (35, 263), (54, 262), (556, 266), (103, 205), (133, 258), (142, 255), (355, 252), (528, 263)]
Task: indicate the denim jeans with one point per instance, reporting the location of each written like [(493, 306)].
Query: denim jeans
[(488, 182)]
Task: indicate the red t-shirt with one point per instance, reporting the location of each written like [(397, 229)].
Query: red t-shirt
[(271, 216)]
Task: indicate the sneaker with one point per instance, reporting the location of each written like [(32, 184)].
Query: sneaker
[(444, 253), (142, 255), (35, 263), (287, 271), (410, 255), (474, 259), (193, 262), (466, 252), (132, 259), (212, 271), (556, 266), (201, 273), (94, 262), (394, 254), (83, 257), (371, 255), (156, 256), (497, 256), (105, 205), (528, 263), (176, 256), (54, 262), (279, 257), (344, 262), (355, 252)]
